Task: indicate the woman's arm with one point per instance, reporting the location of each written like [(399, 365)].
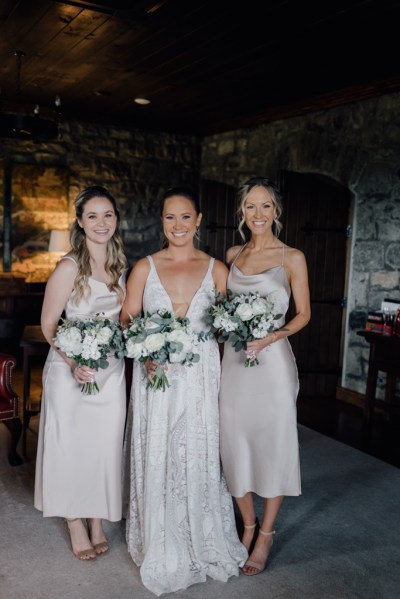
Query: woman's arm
[(298, 278), (133, 304), (58, 289), (220, 276)]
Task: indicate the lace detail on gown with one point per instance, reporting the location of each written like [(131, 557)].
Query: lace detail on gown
[(180, 521)]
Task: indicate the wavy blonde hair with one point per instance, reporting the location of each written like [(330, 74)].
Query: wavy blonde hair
[(273, 191), (116, 262)]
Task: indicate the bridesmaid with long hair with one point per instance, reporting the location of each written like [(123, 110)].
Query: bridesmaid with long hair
[(78, 466), (259, 444)]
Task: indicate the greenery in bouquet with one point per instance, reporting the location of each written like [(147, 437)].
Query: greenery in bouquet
[(240, 318), (161, 337), (90, 341)]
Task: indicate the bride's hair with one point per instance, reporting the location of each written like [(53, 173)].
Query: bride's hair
[(116, 261), (273, 191), (187, 193)]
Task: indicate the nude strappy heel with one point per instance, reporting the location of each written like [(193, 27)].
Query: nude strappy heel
[(85, 555), (255, 526), (257, 565)]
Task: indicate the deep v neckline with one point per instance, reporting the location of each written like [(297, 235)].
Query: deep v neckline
[(167, 294)]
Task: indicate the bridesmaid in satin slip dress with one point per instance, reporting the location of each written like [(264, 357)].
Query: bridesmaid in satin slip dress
[(78, 464), (259, 445), (180, 519)]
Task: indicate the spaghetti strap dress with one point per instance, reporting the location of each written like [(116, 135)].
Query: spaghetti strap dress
[(258, 416), (79, 455), (180, 519)]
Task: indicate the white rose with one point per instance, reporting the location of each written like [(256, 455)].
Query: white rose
[(134, 350), (104, 335), (228, 325), (69, 341), (245, 312), (180, 336), (154, 342), (259, 306), (217, 323), (177, 357)]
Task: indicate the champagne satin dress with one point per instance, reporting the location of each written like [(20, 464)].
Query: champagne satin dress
[(79, 455), (258, 417)]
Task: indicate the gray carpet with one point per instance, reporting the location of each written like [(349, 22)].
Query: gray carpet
[(339, 540)]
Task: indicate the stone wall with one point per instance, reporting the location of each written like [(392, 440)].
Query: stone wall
[(136, 166), (358, 145)]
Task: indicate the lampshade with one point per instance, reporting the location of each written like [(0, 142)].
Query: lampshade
[(59, 241)]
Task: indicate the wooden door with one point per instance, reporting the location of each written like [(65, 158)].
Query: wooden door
[(218, 230), (316, 220)]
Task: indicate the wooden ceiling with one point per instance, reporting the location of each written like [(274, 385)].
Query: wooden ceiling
[(206, 66)]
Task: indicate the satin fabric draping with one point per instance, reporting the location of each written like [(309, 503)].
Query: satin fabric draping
[(79, 455), (258, 417)]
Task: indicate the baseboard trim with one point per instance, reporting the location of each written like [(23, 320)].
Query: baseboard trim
[(349, 396)]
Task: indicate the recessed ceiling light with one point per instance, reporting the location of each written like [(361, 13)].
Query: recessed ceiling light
[(142, 101)]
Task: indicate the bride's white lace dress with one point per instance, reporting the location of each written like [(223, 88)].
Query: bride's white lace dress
[(180, 520)]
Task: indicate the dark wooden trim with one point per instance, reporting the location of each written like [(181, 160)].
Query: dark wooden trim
[(349, 396)]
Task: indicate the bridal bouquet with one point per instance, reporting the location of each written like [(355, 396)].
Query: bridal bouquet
[(161, 337), (89, 342), (242, 317)]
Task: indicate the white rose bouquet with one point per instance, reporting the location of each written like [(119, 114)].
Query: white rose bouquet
[(161, 337), (89, 342), (240, 318)]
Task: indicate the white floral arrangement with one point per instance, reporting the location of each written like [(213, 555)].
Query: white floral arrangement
[(90, 342), (240, 318), (161, 337)]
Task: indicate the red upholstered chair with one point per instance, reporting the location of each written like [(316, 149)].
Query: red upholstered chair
[(9, 407)]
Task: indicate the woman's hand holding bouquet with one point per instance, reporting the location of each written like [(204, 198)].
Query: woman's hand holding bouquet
[(245, 319)]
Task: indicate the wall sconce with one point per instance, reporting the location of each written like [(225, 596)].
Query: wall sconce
[(59, 242)]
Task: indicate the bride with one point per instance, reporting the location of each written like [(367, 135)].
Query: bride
[(180, 521)]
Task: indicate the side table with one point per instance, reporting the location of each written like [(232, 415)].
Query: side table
[(384, 356)]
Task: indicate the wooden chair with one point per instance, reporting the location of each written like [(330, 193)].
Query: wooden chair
[(9, 407)]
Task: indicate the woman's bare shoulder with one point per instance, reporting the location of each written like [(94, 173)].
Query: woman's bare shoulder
[(66, 267), (232, 252), (293, 254), (142, 266), (220, 268), (294, 258)]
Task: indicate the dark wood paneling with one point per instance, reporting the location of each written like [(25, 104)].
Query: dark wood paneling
[(218, 227), (207, 66)]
